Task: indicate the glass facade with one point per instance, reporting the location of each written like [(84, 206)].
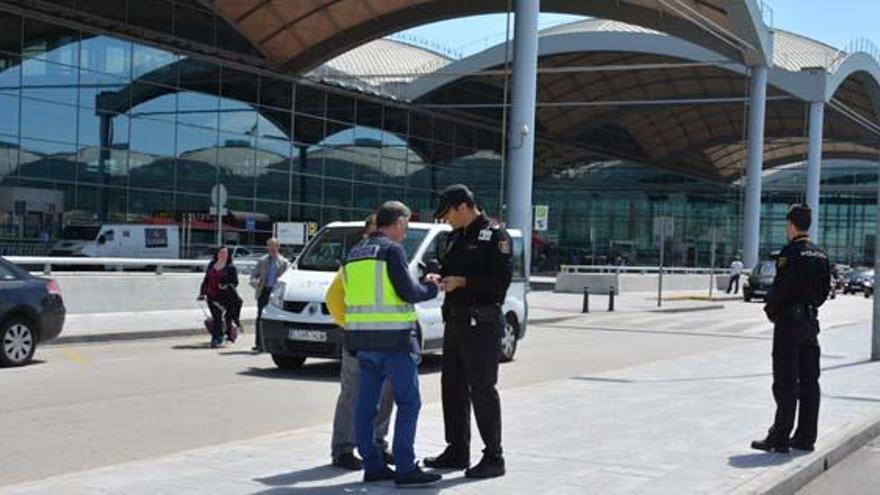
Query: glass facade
[(102, 130), (96, 129)]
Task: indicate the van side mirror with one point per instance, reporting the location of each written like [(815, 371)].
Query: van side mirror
[(102, 239)]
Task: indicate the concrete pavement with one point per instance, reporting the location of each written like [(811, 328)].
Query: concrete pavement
[(679, 425)]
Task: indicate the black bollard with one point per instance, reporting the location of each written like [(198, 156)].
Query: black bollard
[(611, 299), (586, 306)]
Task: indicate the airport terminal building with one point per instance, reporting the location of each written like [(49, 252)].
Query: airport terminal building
[(131, 112)]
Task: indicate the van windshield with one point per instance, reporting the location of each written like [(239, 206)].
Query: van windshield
[(325, 253), (80, 232), (766, 268)]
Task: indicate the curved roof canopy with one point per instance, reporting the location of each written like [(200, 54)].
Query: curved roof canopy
[(299, 35), (619, 91)]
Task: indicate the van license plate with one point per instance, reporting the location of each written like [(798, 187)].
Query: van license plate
[(307, 335)]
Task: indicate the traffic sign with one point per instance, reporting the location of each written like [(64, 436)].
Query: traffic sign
[(218, 195)]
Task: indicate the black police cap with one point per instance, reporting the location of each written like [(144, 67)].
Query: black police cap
[(453, 196)]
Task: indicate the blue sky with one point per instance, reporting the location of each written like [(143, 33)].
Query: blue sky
[(835, 22)]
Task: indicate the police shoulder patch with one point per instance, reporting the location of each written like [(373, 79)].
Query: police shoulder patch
[(485, 235), (504, 246)]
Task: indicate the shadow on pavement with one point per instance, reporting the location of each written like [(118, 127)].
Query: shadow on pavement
[(311, 475), (766, 459), (317, 473)]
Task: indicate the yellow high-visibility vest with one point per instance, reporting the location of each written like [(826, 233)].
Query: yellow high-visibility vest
[(371, 303)]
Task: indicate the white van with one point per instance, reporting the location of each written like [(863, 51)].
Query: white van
[(119, 241), (297, 324)]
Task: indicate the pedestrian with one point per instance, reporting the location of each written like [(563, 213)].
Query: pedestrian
[(380, 326), (476, 265), (799, 289), (736, 268), (270, 268), (343, 441), (219, 289)]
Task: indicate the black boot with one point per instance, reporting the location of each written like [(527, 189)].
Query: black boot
[(770, 445), (797, 443), (348, 461), (491, 466), (449, 459), (416, 477), (380, 475)]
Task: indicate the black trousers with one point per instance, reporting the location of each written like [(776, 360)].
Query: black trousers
[(262, 301), (734, 280), (471, 352), (795, 380)]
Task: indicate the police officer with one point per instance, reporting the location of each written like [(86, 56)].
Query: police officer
[(476, 265), (799, 288)]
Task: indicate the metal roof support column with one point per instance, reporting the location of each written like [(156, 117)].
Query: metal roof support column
[(814, 163), (752, 220), (521, 135), (875, 332)]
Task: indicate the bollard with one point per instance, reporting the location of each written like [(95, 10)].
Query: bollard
[(611, 299), (586, 306)]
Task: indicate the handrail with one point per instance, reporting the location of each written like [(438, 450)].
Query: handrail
[(118, 263), (640, 269)]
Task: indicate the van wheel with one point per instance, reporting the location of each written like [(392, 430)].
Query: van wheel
[(288, 362), (509, 338), (18, 342), (747, 298)]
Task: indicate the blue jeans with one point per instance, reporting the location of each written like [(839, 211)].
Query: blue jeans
[(402, 369)]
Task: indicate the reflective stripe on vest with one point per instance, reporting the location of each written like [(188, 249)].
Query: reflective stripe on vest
[(371, 303)]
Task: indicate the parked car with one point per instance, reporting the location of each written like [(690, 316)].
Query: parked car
[(31, 313), (855, 282), (868, 286), (760, 280), (297, 324)]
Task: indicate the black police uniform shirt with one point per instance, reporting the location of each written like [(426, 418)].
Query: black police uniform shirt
[(481, 252), (803, 278)]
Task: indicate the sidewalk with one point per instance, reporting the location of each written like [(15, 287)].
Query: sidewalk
[(675, 426)]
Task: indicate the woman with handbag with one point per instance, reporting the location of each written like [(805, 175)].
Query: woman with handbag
[(218, 287)]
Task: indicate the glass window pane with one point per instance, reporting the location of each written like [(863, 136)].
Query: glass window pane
[(9, 110), (49, 121), (310, 101), (276, 93), (340, 107), (155, 15), (90, 129), (146, 61), (194, 24), (273, 186), (48, 81), (47, 160), (50, 42), (10, 27), (151, 102), (113, 93), (197, 109), (106, 55)]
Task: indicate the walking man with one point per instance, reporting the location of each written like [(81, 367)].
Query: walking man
[(476, 266), (380, 325), (343, 439), (799, 288), (736, 268), (269, 269)]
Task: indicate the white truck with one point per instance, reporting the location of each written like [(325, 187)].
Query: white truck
[(119, 241), (297, 325)]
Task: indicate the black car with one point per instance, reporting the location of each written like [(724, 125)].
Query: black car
[(760, 280), (856, 280), (31, 312)]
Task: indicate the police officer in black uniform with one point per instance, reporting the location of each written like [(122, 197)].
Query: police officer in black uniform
[(799, 288), (476, 265)]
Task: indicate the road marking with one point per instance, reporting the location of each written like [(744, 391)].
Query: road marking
[(76, 357)]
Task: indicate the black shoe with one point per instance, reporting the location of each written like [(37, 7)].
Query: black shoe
[(387, 458), (380, 475), (802, 445), (448, 460), (489, 467), (768, 445), (348, 461), (416, 477), (257, 349)]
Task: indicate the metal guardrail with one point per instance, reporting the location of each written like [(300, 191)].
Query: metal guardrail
[(119, 264), (641, 270)]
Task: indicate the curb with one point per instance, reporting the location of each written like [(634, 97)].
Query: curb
[(99, 338), (688, 310), (842, 445)]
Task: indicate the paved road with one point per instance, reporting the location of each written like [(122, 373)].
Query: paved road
[(88, 406), (858, 474)]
